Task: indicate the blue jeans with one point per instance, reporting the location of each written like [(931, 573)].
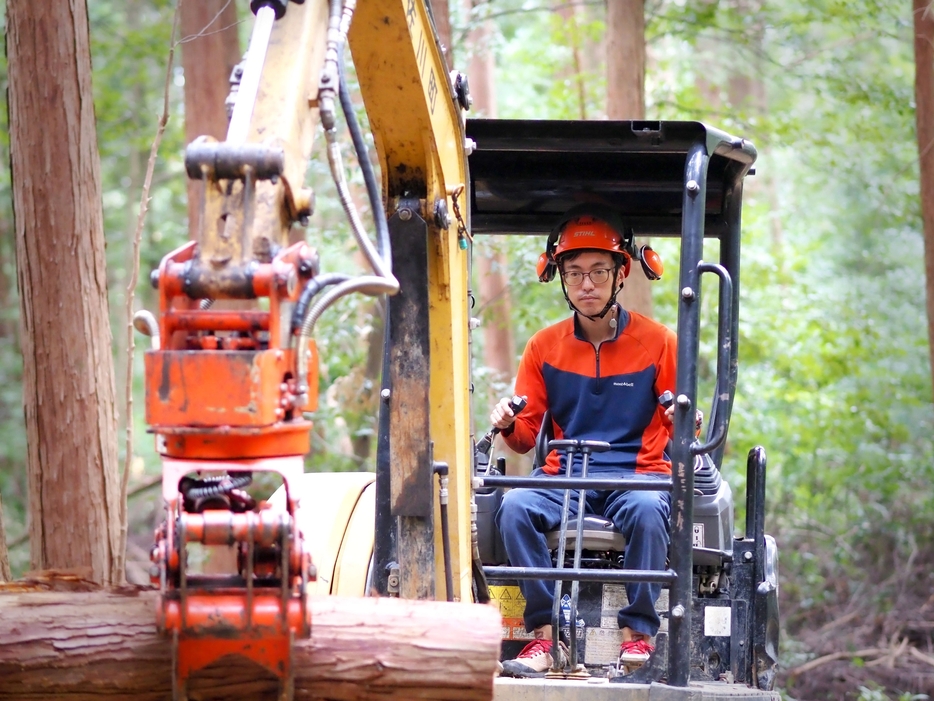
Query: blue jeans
[(526, 515)]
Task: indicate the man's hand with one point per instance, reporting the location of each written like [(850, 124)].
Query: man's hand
[(502, 416), (698, 417)]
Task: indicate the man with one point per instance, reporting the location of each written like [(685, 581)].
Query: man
[(600, 373)]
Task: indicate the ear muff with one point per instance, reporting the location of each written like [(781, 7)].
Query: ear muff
[(546, 267), (652, 264)]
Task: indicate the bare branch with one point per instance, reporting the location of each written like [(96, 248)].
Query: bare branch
[(815, 663), (6, 573), (204, 32), (119, 573)]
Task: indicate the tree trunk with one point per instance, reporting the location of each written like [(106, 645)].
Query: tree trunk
[(440, 12), (924, 99), (5, 573), (88, 645), (490, 261), (625, 59), (625, 99), (210, 50), (569, 14), (68, 376)]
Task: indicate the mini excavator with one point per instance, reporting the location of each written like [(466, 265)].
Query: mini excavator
[(231, 391)]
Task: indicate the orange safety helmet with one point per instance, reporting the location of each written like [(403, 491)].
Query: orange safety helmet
[(593, 227)]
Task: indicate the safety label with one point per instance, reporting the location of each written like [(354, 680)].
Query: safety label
[(698, 539), (509, 600), (717, 620), (603, 645), (514, 629), (614, 598)]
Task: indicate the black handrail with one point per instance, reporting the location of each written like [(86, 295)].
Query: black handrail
[(553, 574), (718, 426), (601, 483)]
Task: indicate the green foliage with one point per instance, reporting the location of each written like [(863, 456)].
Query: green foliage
[(834, 378), (874, 692), (12, 433), (834, 375)]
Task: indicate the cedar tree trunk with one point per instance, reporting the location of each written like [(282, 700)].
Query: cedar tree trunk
[(68, 375), (924, 99), (625, 99), (210, 50)]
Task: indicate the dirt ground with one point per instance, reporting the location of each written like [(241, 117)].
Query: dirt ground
[(881, 637)]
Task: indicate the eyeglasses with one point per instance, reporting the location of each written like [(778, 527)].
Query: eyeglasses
[(597, 277)]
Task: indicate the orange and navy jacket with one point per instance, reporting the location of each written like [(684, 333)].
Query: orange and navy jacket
[(607, 394)]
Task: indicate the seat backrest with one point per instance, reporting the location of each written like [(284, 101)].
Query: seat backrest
[(545, 434)]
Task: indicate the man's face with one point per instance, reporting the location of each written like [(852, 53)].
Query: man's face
[(590, 297)]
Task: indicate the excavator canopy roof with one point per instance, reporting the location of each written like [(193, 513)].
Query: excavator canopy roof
[(526, 173)]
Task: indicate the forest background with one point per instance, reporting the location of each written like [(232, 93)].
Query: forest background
[(834, 361)]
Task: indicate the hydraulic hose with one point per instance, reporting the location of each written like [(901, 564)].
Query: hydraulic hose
[(214, 486), (363, 157), (383, 282), (312, 287)]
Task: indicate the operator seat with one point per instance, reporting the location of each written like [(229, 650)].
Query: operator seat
[(599, 533), (713, 513)]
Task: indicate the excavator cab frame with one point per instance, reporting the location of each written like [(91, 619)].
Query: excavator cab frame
[(664, 179)]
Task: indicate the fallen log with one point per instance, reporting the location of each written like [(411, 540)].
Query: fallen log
[(103, 644)]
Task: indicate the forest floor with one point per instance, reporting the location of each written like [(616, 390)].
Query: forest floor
[(878, 641)]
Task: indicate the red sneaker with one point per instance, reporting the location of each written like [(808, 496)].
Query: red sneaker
[(634, 653), (534, 660)]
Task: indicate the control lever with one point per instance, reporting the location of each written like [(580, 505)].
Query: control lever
[(485, 445), (666, 399)]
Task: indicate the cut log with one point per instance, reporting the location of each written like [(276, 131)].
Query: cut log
[(103, 644)]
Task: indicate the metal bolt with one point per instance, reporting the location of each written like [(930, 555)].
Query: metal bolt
[(684, 401), (461, 90), (470, 146), (687, 293), (405, 214), (385, 394), (442, 218), (677, 611), (747, 556), (693, 186)]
